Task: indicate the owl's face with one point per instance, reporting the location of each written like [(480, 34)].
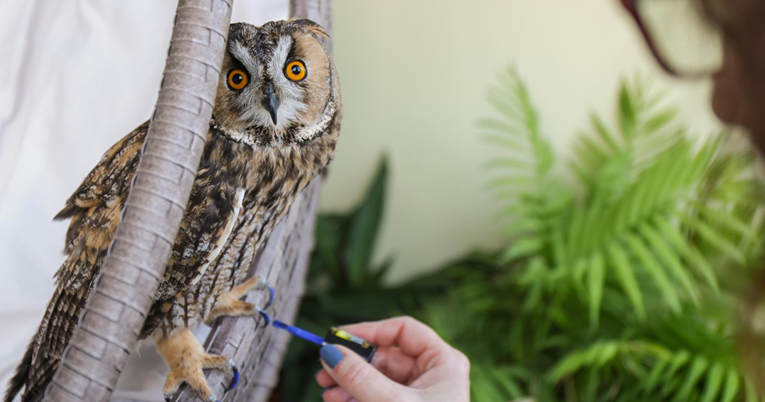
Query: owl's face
[(276, 81)]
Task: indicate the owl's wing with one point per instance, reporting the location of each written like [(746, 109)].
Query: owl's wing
[(212, 211), (94, 209), (110, 179)]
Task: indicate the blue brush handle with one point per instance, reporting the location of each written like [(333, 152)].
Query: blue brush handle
[(300, 333)]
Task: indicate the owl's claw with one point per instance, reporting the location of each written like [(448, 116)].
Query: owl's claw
[(270, 295), (229, 304), (264, 315), (236, 375), (262, 285)]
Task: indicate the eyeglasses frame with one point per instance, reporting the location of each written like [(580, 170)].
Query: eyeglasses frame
[(631, 7)]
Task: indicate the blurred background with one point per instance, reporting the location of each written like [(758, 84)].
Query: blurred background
[(542, 313), (415, 76)]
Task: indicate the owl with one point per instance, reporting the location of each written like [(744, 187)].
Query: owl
[(274, 127)]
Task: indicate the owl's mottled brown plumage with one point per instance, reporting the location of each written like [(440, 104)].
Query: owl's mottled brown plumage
[(266, 142)]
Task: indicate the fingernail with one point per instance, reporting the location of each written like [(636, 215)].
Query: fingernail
[(331, 355), (326, 389)]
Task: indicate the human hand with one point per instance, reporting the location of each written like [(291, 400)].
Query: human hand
[(412, 364)]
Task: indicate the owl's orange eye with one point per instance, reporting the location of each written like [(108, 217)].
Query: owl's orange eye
[(295, 70), (237, 79)]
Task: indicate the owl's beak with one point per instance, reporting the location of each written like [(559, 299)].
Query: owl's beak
[(271, 101)]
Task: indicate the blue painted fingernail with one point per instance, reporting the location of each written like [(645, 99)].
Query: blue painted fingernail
[(331, 355)]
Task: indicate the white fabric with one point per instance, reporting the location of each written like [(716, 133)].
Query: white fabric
[(75, 76)]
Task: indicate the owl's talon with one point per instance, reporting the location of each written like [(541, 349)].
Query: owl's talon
[(264, 315), (263, 285), (236, 375), (169, 395), (271, 294)]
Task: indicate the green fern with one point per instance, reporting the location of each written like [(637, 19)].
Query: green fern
[(639, 203), (654, 217)]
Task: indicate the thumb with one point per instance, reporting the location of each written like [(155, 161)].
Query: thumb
[(357, 377)]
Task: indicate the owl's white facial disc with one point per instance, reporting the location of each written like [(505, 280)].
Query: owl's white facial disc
[(276, 82)]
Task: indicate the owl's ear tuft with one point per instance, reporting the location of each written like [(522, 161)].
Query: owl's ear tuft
[(234, 28), (311, 27)]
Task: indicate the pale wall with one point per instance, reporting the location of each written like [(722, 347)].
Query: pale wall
[(414, 75)]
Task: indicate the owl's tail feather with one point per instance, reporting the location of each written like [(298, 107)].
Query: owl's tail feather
[(22, 374)]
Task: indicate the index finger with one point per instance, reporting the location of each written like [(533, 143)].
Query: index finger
[(406, 333)]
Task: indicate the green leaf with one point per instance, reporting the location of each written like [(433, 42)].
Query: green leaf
[(605, 354), (568, 365), (694, 257), (661, 120), (576, 227), (510, 386), (483, 389), (589, 153), (670, 259), (595, 283), (580, 268), (678, 361), (591, 385), (655, 376), (627, 113), (522, 248), (732, 384), (728, 220), (714, 382), (328, 240), (698, 367), (605, 135), (627, 279), (559, 243), (365, 226), (656, 271), (524, 224), (715, 240)]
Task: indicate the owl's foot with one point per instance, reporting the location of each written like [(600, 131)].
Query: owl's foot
[(186, 358), (228, 304)]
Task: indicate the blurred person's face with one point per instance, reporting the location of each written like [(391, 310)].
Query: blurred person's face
[(727, 100), (739, 92)]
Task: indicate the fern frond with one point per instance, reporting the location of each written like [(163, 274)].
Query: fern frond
[(637, 253)]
